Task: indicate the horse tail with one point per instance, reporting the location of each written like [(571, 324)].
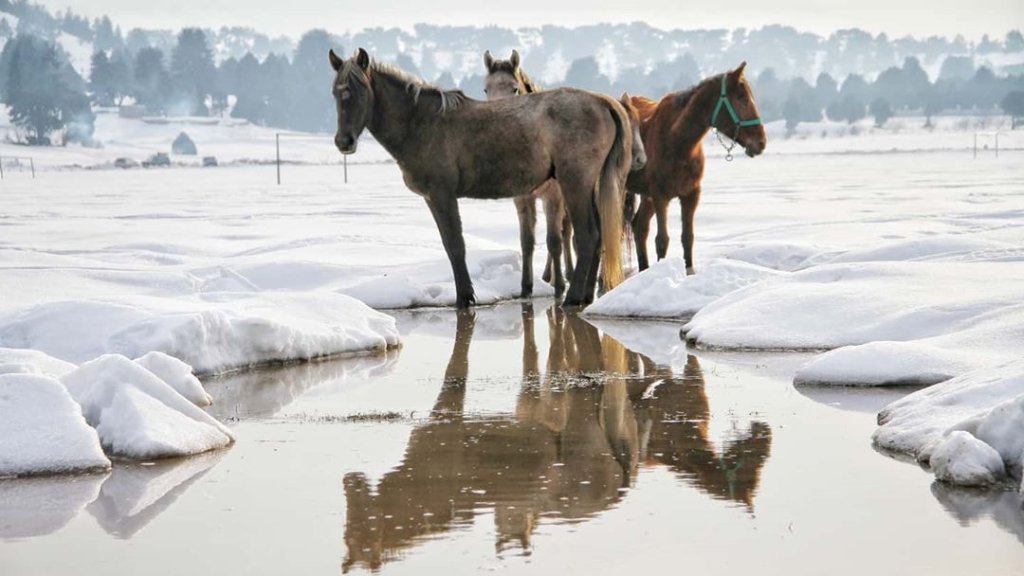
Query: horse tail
[(610, 201)]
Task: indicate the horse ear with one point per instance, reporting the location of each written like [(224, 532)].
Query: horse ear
[(488, 60), (335, 61), (363, 59), (738, 72), (625, 100), (514, 59)]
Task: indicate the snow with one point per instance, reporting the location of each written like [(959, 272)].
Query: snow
[(844, 304), (933, 425), (177, 375), (138, 415), (42, 429), (963, 459), (665, 291), (495, 273), (25, 361)]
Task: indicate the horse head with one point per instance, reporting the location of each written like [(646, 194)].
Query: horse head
[(736, 115), (353, 97), (504, 79)]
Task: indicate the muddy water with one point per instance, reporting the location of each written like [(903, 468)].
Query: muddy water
[(521, 439)]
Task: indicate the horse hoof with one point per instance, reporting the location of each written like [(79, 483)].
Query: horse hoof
[(463, 303), (690, 271), (526, 293)]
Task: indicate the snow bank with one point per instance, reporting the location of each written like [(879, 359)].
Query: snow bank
[(990, 339), (177, 375), (846, 304), (138, 415), (665, 291), (23, 361), (496, 274), (220, 332), (42, 430), (967, 428)]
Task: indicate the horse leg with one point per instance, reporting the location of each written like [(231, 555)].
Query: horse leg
[(567, 241), (554, 211), (661, 238), (641, 229), (579, 199), (527, 212), (445, 210), (689, 208)]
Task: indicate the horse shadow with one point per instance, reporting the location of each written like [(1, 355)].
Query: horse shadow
[(582, 427)]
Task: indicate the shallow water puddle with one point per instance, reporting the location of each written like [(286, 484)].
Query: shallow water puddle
[(523, 439)]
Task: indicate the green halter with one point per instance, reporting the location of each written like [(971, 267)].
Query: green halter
[(723, 100)]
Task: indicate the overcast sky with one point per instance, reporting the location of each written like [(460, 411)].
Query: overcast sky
[(972, 18)]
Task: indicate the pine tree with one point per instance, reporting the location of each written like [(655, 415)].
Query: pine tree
[(43, 91), (152, 83), (101, 80), (250, 102), (192, 71), (313, 106)]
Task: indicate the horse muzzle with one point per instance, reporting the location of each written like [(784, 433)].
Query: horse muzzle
[(346, 143), (755, 148), (639, 161)]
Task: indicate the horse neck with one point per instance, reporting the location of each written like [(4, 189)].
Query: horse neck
[(694, 120), (393, 114)]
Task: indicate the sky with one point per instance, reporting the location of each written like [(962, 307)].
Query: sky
[(972, 18)]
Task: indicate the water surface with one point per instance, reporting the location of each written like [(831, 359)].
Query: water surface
[(526, 440)]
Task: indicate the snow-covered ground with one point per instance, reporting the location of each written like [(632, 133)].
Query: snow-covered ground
[(896, 249)]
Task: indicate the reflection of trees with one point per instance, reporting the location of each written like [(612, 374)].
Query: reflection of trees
[(579, 432)]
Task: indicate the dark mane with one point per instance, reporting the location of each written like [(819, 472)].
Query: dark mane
[(417, 87)]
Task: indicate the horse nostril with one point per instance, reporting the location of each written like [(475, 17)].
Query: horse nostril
[(344, 141)]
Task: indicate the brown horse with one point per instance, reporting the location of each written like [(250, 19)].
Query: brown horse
[(449, 146), (506, 79), (672, 131)]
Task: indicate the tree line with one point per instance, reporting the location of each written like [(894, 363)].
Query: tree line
[(180, 75)]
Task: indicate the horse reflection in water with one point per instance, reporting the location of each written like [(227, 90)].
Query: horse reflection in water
[(581, 429)]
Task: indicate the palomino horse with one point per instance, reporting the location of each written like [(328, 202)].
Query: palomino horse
[(672, 131), (505, 79), (449, 146)]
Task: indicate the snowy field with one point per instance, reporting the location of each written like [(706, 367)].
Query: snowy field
[(896, 251)]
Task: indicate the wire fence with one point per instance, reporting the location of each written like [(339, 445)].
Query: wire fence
[(983, 138), (19, 162)]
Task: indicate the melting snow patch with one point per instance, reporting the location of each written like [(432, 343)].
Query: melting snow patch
[(665, 291), (220, 332), (177, 375), (985, 404), (138, 415), (23, 361), (42, 430), (496, 274), (846, 304)]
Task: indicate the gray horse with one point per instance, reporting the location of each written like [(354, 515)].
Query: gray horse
[(506, 79), (450, 146)]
